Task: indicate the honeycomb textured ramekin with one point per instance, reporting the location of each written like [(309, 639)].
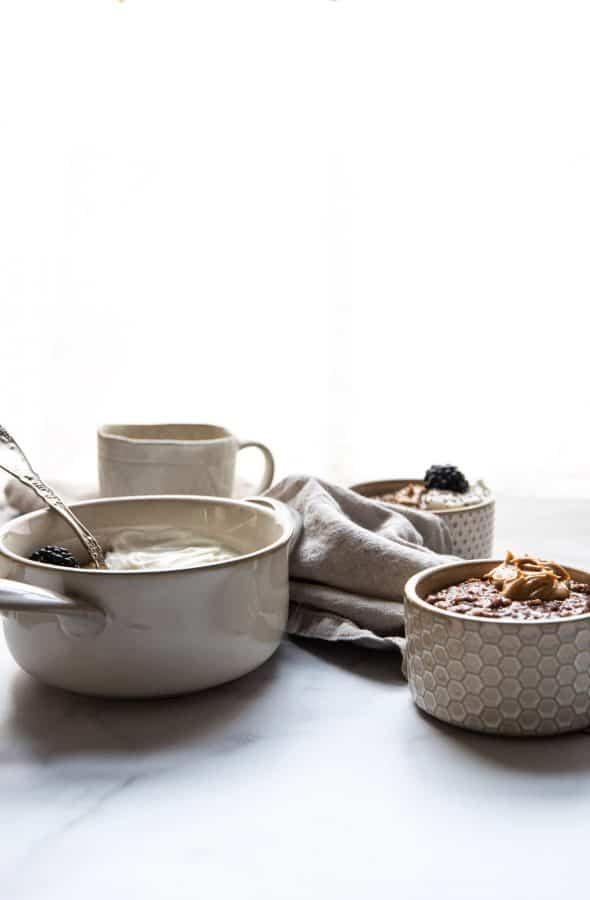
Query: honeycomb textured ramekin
[(496, 676), (471, 529)]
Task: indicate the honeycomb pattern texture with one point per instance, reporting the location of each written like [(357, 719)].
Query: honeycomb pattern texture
[(472, 531), (509, 678)]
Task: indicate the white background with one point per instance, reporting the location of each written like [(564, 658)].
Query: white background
[(357, 230)]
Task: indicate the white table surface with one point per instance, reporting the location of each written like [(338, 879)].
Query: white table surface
[(314, 777)]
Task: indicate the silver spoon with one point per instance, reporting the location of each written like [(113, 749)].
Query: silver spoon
[(10, 452)]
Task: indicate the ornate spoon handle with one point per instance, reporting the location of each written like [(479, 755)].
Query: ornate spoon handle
[(24, 472)]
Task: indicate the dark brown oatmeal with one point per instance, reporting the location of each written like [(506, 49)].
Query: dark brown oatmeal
[(478, 597)]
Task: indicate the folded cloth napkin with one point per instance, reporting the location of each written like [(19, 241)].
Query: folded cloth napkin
[(351, 561)]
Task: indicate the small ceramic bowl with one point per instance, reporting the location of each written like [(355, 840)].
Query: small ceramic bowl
[(472, 528), (498, 676)]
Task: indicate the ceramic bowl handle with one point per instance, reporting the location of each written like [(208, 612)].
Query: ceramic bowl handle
[(289, 515), (269, 463), (18, 597)]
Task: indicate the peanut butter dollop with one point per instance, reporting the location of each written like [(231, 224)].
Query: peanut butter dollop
[(409, 495), (528, 578)]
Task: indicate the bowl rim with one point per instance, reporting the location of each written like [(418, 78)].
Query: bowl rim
[(268, 511), (402, 482), (411, 596)]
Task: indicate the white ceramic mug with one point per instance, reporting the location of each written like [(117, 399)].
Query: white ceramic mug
[(172, 459)]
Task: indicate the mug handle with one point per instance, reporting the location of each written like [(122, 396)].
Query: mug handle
[(269, 464)]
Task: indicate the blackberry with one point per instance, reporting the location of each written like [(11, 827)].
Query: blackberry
[(446, 478), (55, 556)]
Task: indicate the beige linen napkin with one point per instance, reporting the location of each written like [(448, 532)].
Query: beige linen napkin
[(351, 561)]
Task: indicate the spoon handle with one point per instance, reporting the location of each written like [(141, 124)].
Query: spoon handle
[(25, 473)]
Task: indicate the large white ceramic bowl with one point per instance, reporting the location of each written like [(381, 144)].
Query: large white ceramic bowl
[(499, 676), (151, 633)]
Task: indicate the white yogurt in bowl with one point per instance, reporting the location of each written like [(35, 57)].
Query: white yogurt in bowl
[(142, 549)]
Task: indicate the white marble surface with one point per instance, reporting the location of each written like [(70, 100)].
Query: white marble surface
[(314, 777)]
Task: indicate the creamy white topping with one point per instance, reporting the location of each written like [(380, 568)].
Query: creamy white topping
[(436, 499), (171, 549)]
